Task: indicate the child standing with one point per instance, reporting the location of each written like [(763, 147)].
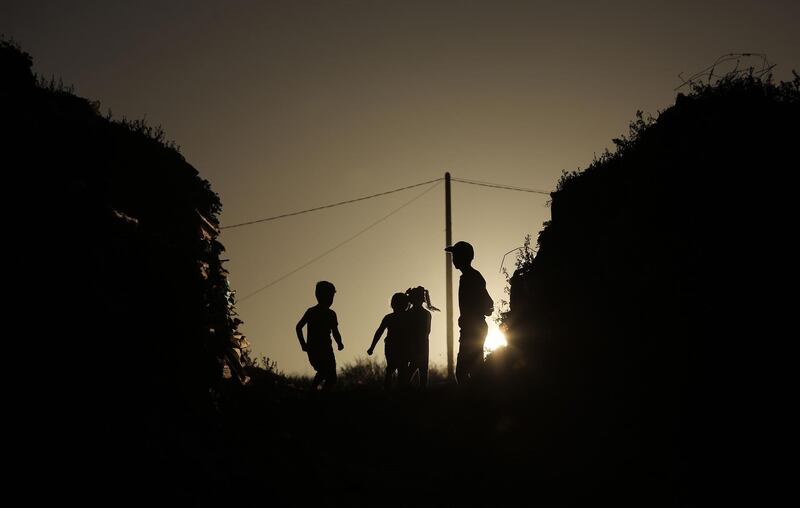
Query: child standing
[(396, 341), (474, 304), (322, 322), (419, 328)]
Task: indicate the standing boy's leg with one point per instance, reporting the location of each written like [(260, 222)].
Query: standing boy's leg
[(470, 350), (463, 358), (463, 362), (481, 330)]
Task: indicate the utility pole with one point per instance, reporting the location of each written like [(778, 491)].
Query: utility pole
[(448, 240)]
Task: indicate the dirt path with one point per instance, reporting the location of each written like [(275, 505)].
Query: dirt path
[(361, 447)]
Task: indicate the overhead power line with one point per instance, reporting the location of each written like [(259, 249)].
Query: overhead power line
[(500, 186), (340, 203), (379, 194), (343, 242)]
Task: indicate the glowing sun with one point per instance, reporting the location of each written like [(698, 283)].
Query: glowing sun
[(495, 339)]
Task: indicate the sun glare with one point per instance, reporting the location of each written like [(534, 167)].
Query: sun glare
[(494, 339)]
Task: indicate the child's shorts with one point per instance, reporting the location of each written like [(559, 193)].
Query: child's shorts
[(395, 356), (322, 359)]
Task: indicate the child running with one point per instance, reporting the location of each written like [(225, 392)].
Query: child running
[(396, 342), (322, 322)]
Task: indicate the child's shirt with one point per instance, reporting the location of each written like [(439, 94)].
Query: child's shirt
[(395, 324), (321, 322), (419, 324), (473, 299)]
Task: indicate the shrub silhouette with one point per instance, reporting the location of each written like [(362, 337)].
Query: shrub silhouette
[(652, 293), (120, 272)]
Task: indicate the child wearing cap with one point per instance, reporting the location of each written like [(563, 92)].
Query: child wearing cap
[(474, 304)]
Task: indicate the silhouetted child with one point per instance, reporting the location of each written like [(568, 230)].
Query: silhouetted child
[(396, 343), (321, 321), (474, 304), (418, 320)]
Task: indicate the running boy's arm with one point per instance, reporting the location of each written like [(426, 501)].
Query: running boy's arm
[(334, 323), (337, 337), (299, 330), (377, 336)]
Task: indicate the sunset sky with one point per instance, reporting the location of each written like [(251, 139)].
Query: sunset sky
[(290, 105)]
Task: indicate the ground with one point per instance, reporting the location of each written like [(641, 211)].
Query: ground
[(441, 447)]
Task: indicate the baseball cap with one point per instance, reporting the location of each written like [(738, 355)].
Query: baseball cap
[(462, 248)]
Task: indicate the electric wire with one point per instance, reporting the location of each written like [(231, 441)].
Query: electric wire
[(342, 243), (500, 186), (340, 203)]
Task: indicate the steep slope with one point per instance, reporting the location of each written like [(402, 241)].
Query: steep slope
[(656, 293), (127, 321)]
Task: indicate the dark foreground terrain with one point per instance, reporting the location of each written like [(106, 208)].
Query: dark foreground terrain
[(447, 446)]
